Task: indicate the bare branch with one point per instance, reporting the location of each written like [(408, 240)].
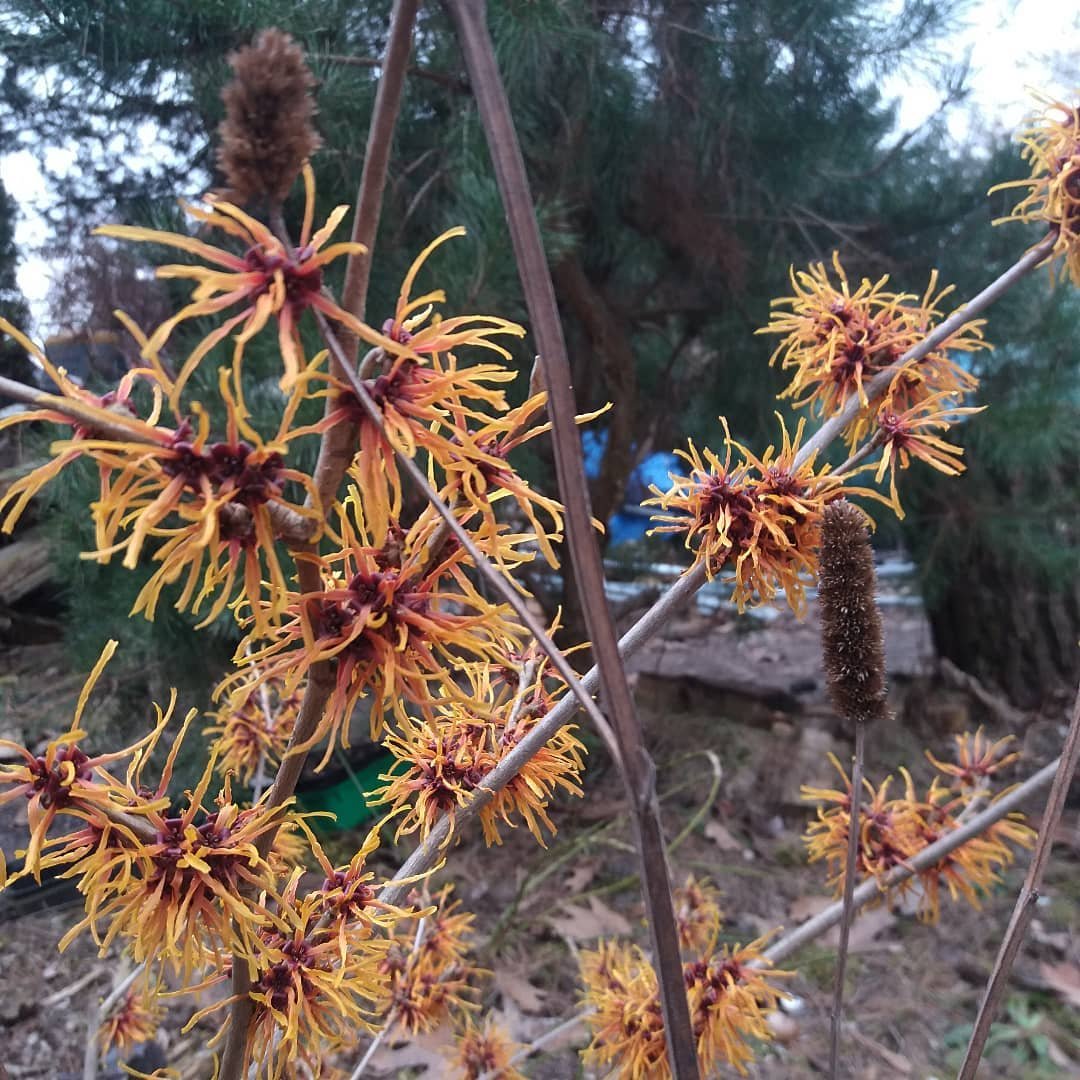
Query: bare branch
[(1024, 908)]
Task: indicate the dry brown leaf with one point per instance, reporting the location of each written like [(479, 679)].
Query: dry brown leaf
[(895, 1061), (582, 924), (865, 928), (721, 837), (520, 991), (579, 878), (427, 1050), (806, 907), (1063, 979)]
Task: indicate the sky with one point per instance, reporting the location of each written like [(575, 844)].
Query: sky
[(1008, 41)]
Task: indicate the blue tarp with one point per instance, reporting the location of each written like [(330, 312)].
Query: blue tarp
[(630, 522)]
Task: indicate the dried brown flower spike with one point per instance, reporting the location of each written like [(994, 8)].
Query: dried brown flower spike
[(267, 133), (851, 637)]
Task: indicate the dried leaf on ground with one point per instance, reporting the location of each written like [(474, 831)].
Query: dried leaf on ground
[(866, 927), (580, 923), (806, 907), (519, 990), (721, 837), (579, 878), (427, 1050), (1063, 979)]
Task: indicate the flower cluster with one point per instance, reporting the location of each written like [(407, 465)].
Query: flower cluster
[(132, 1020), (441, 761), (1052, 147), (729, 992), (426, 972), (757, 518), (252, 728), (316, 967), (484, 1051), (893, 830), (180, 883)]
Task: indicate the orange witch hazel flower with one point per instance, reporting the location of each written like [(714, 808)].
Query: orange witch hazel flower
[(977, 759), (223, 493), (484, 1051), (910, 434), (427, 399), (757, 518), (394, 625), (310, 996), (894, 830), (441, 761), (426, 971), (114, 409), (64, 779), (271, 279), (254, 725), (1052, 147), (133, 1020), (835, 339), (729, 994)]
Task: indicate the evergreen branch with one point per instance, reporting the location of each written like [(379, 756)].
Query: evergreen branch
[(1024, 908), (457, 83), (637, 769)]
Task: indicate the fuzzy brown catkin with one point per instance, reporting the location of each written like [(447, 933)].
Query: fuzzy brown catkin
[(851, 637), (268, 131)]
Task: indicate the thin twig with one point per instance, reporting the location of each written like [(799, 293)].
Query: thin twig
[(258, 785), (1024, 908), (98, 1015), (847, 903)]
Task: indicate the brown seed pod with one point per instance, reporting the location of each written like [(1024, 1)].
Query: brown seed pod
[(267, 133), (851, 637)]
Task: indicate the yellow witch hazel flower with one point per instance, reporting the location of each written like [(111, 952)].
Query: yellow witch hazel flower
[(1052, 146), (272, 279)]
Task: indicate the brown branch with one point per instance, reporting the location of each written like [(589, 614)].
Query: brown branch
[(638, 770), (336, 451), (1024, 908), (847, 905)]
